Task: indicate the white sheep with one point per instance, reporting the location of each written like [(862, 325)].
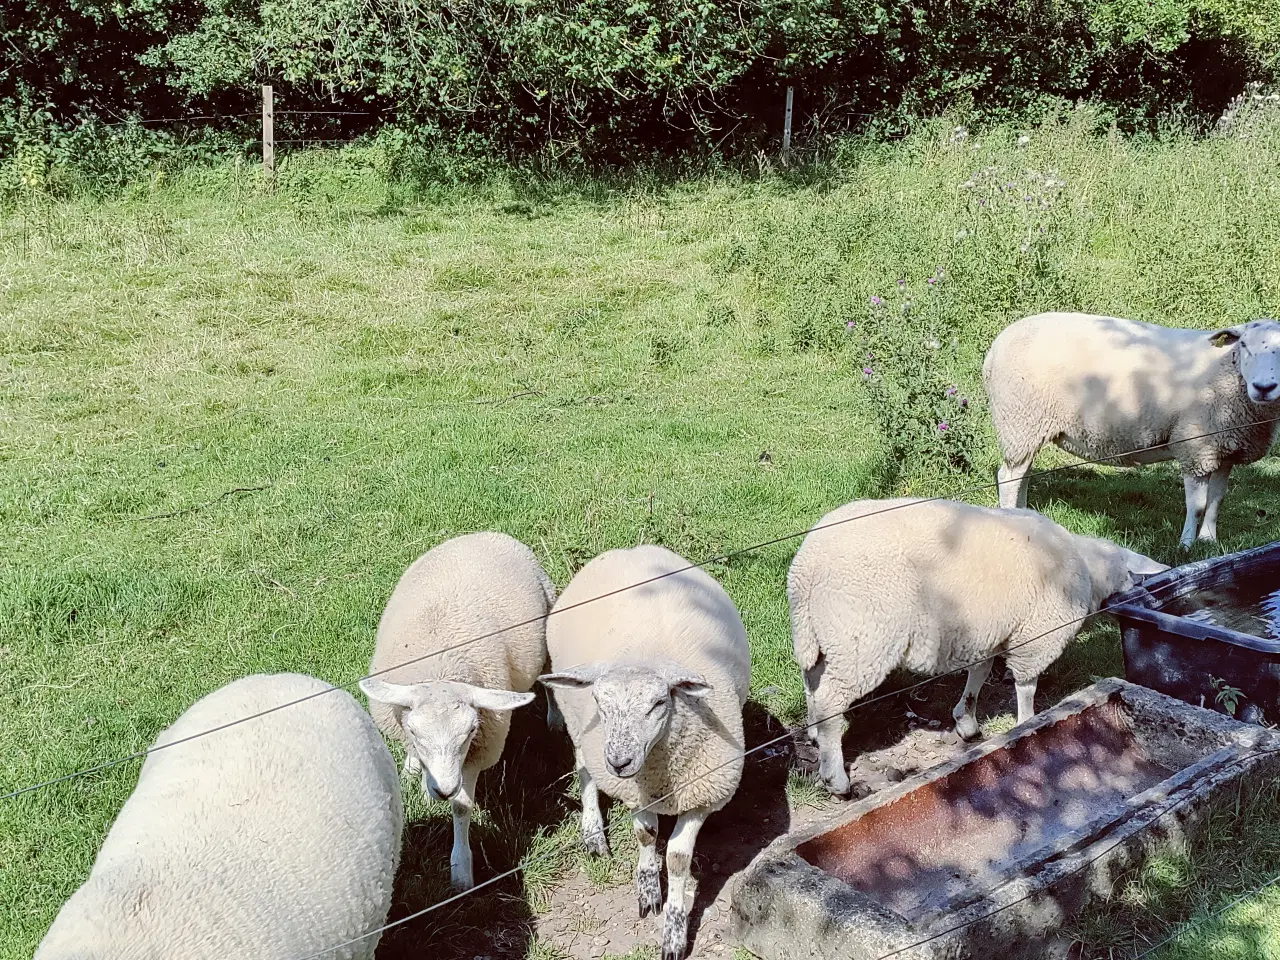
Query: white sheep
[(454, 672), (932, 586), (274, 839), (1100, 386), (651, 682)]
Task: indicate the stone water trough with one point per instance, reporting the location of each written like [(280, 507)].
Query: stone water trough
[(987, 855)]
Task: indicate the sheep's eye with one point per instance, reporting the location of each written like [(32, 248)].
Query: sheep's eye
[(656, 705)]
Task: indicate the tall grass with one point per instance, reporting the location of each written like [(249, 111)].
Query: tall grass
[(584, 365)]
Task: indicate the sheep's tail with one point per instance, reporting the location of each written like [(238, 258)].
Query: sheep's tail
[(803, 637)]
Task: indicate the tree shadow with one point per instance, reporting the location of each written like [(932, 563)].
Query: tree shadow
[(1144, 506)]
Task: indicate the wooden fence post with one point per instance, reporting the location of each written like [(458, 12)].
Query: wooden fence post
[(268, 133), (786, 126)]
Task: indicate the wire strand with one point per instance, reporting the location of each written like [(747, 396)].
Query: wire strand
[(718, 558)]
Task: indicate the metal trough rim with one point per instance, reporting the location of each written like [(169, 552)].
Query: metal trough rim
[(1140, 603), (1068, 853)]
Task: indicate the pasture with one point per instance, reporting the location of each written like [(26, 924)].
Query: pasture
[(230, 418)]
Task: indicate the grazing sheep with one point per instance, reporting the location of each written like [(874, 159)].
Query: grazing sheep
[(1099, 387), (451, 708), (651, 683), (932, 586), (274, 839)]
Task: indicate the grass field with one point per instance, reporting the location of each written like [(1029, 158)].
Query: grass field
[(229, 419)]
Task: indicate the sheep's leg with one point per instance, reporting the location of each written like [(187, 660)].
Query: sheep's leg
[(1013, 480), (460, 871), (675, 916), (555, 719), (1026, 698), (1197, 491), (1217, 490), (649, 866), (829, 731), (593, 835), (965, 712)]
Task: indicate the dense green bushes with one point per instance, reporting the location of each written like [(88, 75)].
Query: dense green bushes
[(604, 80)]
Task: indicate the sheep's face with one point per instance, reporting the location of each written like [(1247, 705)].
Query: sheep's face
[(635, 703), (1116, 569), (440, 719), (1257, 357)]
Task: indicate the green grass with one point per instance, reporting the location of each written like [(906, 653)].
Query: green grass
[(582, 367)]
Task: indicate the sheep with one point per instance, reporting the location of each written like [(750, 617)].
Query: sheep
[(1100, 387), (275, 838), (934, 585), (446, 672), (651, 682)]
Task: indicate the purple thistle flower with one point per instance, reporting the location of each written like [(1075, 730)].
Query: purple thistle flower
[(901, 283), (964, 403), (931, 281), (942, 427), (851, 324), (982, 202), (951, 391), (867, 371), (876, 302), (871, 356)]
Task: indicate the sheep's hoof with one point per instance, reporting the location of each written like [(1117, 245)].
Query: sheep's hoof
[(596, 843), (675, 935), (649, 889), (462, 880), (839, 786), (967, 728)]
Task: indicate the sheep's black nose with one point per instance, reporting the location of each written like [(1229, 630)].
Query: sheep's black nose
[(1266, 389)]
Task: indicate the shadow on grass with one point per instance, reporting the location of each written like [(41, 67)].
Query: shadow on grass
[(1146, 506)]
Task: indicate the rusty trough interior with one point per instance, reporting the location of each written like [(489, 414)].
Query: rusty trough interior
[(952, 838)]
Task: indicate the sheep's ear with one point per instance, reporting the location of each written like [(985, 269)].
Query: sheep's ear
[(483, 698), (691, 685), (575, 678), (1142, 566), (1226, 336), (395, 694)]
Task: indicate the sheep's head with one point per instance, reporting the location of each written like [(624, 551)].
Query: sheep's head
[(1115, 569), (440, 718), (1256, 355), (635, 702)]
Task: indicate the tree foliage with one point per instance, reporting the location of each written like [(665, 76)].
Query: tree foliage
[(607, 79)]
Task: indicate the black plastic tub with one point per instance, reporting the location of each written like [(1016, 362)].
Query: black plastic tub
[(1208, 633)]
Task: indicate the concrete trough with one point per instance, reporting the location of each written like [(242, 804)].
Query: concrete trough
[(993, 851)]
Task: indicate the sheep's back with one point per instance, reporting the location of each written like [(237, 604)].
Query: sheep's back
[(1098, 386), (273, 838), (473, 609), (938, 580)]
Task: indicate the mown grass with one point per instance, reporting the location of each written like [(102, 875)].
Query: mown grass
[(372, 370)]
